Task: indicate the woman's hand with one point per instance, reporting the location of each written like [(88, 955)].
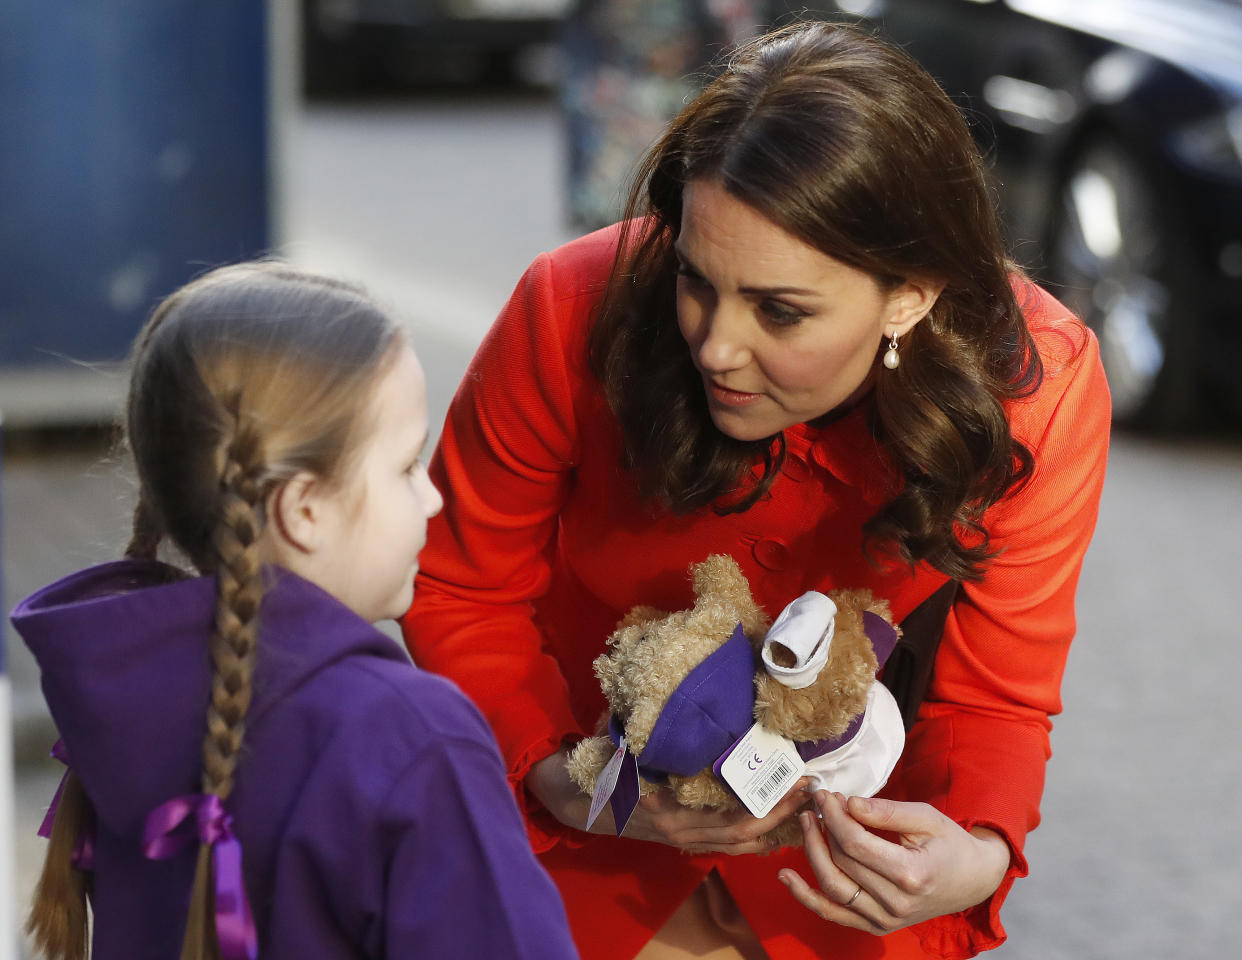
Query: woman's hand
[(877, 885), (659, 818)]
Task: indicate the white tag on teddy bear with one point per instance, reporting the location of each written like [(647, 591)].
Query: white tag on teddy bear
[(606, 783), (760, 767)]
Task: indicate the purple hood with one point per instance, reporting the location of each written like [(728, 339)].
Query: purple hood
[(122, 653), (371, 801)]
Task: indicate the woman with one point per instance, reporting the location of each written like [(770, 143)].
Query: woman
[(806, 349)]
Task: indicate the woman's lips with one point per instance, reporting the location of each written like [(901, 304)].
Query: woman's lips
[(733, 398)]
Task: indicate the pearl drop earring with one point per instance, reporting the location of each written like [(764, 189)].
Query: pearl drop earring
[(891, 360)]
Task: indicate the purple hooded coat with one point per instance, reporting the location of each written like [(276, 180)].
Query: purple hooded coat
[(370, 799)]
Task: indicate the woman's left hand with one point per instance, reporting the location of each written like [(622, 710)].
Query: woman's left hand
[(877, 885)]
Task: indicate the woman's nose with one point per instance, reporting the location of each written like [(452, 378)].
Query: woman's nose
[(433, 501), (724, 345)]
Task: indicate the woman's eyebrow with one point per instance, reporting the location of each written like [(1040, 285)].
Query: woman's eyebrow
[(684, 258), (778, 291), (753, 291)]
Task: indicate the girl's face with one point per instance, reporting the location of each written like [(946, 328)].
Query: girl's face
[(780, 332), (375, 522)]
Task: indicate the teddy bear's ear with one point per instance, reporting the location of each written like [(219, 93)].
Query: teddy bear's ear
[(719, 575), (860, 599), (639, 614), (721, 579)]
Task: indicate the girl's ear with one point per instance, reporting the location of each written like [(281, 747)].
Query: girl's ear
[(910, 303), (295, 512)]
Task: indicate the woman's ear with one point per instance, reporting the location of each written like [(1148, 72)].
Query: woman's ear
[(295, 513), (910, 302)]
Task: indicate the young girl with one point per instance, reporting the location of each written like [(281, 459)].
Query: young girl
[(342, 802)]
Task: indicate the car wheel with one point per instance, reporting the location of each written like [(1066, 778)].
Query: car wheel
[(1114, 259)]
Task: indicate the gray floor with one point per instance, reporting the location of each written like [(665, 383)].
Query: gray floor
[(439, 207)]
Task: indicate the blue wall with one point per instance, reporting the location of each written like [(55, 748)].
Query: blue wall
[(133, 155)]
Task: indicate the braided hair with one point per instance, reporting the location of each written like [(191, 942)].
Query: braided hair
[(240, 380)]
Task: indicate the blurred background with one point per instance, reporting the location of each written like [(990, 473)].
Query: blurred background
[(431, 148)]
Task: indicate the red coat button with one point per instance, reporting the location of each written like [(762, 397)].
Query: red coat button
[(772, 555)]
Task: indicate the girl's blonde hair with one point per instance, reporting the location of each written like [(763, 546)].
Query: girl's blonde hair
[(240, 380)]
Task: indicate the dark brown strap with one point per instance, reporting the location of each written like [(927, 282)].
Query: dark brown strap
[(909, 668)]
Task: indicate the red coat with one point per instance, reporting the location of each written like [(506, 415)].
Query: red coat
[(543, 545)]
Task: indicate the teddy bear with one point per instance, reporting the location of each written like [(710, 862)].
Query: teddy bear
[(717, 692)]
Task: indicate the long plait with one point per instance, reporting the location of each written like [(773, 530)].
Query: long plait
[(239, 592), (233, 646), (57, 923)]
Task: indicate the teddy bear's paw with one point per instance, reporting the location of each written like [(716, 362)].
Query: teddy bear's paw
[(702, 792), (588, 760)]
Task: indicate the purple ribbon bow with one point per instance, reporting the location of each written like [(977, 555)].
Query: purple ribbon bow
[(201, 817), (83, 856)]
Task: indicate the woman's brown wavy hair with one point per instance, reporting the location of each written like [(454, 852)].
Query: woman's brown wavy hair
[(848, 144)]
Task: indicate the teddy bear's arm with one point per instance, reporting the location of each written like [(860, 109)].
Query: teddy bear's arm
[(587, 761), (702, 792)]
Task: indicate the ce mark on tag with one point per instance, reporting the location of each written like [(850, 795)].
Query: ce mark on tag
[(760, 768)]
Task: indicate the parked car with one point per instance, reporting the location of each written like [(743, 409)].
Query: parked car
[(350, 45), (1116, 131)]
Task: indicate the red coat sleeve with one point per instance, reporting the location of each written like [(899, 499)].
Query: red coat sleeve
[(503, 465), (981, 744)]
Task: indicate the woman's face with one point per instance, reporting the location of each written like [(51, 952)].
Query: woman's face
[(780, 332)]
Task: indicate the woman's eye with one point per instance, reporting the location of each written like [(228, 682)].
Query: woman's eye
[(780, 314), (686, 275)]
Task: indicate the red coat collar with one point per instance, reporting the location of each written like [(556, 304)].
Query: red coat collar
[(848, 450)]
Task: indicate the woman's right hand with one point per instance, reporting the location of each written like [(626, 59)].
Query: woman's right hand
[(659, 818)]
